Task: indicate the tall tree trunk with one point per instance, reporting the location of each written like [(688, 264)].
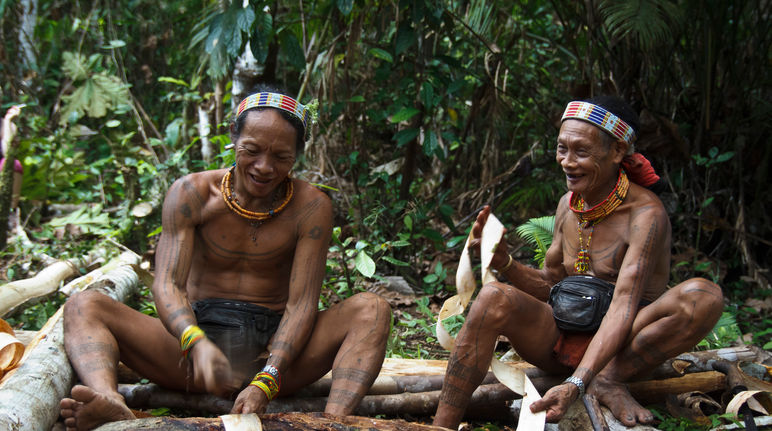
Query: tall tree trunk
[(29, 17)]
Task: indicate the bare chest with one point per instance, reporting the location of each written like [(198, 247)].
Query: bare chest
[(602, 246)]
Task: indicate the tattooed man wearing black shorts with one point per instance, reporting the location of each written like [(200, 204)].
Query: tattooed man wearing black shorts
[(238, 273)]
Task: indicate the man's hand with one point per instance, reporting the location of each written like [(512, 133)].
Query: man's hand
[(251, 400), (556, 401), (501, 255), (211, 367)]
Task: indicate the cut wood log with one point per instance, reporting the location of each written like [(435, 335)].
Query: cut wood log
[(693, 362), (273, 422), (30, 394), (125, 258), (16, 293), (652, 391)]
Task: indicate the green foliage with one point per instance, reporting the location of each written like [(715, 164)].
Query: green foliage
[(96, 92), (33, 317), (646, 21), (724, 333), (538, 233), (90, 220), (670, 423)]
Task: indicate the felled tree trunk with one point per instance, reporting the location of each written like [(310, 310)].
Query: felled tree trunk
[(16, 293), (30, 394), (273, 422)]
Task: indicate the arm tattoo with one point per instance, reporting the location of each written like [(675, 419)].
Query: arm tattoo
[(315, 232), (644, 262)]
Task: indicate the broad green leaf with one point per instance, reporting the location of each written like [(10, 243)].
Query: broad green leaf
[(404, 114), (394, 261), (364, 264), (345, 6), (406, 37), (291, 49), (116, 43), (381, 54), (405, 135), (431, 145), (171, 80), (112, 123), (399, 243), (357, 99)]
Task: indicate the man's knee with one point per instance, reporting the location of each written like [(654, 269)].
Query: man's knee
[(493, 304), (371, 307), (702, 303), (86, 304)]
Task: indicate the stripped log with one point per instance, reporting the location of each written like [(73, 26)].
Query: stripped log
[(80, 283), (30, 394), (273, 422), (16, 293)]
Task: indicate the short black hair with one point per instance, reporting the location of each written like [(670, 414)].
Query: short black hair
[(297, 124)]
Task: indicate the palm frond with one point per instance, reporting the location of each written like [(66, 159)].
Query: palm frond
[(537, 232), (648, 21)]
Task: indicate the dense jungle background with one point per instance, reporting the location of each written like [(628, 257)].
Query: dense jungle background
[(426, 110)]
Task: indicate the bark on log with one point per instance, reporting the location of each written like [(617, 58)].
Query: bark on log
[(652, 391), (273, 422), (30, 394), (693, 362), (491, 398)]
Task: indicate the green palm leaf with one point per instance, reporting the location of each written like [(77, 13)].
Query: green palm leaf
[(537, 232), (648, 21)]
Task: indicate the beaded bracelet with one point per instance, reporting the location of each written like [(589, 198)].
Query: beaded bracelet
[(190, 336), (267, 383)]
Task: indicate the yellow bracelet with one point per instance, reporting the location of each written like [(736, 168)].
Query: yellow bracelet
[(506, 267), (190, 336)]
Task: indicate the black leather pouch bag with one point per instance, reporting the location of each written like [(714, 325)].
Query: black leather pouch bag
[(579, 302)]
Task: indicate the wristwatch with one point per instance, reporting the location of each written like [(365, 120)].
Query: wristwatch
[(578, 382)]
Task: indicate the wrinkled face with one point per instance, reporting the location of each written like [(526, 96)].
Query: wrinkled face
[(591, 169), (265, 153)]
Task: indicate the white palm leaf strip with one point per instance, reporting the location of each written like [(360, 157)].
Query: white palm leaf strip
[(242, 422), (509, 374)]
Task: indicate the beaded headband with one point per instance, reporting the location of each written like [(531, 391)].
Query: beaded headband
[(601, 118), (275, 100)]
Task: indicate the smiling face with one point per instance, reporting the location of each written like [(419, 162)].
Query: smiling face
[(265, 153), (591, 167)]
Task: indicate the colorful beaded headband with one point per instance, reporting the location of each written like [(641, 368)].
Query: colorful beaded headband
[(275, 100), (601, 118)]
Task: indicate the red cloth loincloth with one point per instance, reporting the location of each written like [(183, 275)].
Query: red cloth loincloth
[(570, 347)]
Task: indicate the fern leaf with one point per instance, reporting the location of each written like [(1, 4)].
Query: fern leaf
[(537, 232)]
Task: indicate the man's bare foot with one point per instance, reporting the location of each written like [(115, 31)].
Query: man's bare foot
[(88, 409), (617, 398)]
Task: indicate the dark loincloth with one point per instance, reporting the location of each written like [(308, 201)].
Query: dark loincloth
[(240, 329)]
